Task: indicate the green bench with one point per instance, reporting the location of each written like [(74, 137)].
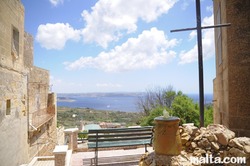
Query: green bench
[(118, 137)]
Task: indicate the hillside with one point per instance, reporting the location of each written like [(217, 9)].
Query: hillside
[(70, 117)]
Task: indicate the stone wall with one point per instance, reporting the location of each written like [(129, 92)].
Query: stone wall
[(28, 50), (43, 140), (24, 92), (13, 126), (231, 85), (239, 61), (11, 19), (38, 89), (13, 86)]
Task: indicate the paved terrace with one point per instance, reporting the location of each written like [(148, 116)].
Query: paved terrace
[(107, 157), (114, 157)]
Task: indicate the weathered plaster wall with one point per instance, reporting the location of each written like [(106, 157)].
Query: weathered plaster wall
[(13, 87), (11, 17), (24, 92), (28, 50), (13, 127), (42, 105), (38, 89)]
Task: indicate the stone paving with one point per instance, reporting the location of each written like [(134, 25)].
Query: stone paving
[(110, 156)]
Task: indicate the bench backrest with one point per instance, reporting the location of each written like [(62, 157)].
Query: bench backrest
[(119, 134)]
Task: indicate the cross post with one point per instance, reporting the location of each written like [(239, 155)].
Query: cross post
[(199, 28)]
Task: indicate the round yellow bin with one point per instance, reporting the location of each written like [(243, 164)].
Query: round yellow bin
[(166, 139)]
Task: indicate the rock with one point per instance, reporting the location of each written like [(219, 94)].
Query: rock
[(237, 152), (246, 149), (197, 134), (180, 160), (239, 142), (215, 146), (193, 145), (185, 139), (188, 143), (204, 143), (199, 152), (198, 138), (222, 133), (181, 129), (222, 139), (211, 137), (152, 159), (202, 130), (184, 134), (235, 143), (192, 130), (187, 124)]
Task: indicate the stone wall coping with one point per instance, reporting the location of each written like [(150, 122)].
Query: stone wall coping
[(61, 149), (71, 130)]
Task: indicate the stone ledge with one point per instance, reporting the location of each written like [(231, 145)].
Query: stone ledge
[(61, 149), (71, 130)]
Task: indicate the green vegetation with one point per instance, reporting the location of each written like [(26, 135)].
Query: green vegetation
[(208, 114), (177, 104), (83, 135), (151, 105), (70, 117)]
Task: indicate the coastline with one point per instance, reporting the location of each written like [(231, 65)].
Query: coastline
[(125, 102)]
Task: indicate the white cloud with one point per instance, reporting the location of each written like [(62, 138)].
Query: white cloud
[(109, 19), (207, 44), (147, 51), (56, 2), (192, 35), (54, 36)]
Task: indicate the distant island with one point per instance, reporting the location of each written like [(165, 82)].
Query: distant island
[(65, 99)]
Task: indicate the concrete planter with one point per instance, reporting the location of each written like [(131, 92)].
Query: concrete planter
[(166, 140)]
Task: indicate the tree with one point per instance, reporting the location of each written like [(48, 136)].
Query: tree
[(177, 104), (208, 115), (148, 120), (184, 108), (154, 98), (169, 97)]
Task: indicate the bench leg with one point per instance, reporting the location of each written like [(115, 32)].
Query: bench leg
[(96, 157), (146, 150), (92, 161)]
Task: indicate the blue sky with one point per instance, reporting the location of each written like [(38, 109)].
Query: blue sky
[(120, 45)]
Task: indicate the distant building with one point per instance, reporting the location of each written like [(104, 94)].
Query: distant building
[(27, 109), (110, 125), (232, 82)]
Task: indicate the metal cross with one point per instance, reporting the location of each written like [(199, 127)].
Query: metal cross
[(200, 61)]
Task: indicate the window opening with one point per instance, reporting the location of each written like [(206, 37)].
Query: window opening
[(8, 107), (15, 43)]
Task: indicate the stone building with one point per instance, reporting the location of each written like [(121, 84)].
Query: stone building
[(27, 108), (232, 82)]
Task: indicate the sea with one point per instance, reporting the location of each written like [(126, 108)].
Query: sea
[(125, 102)]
